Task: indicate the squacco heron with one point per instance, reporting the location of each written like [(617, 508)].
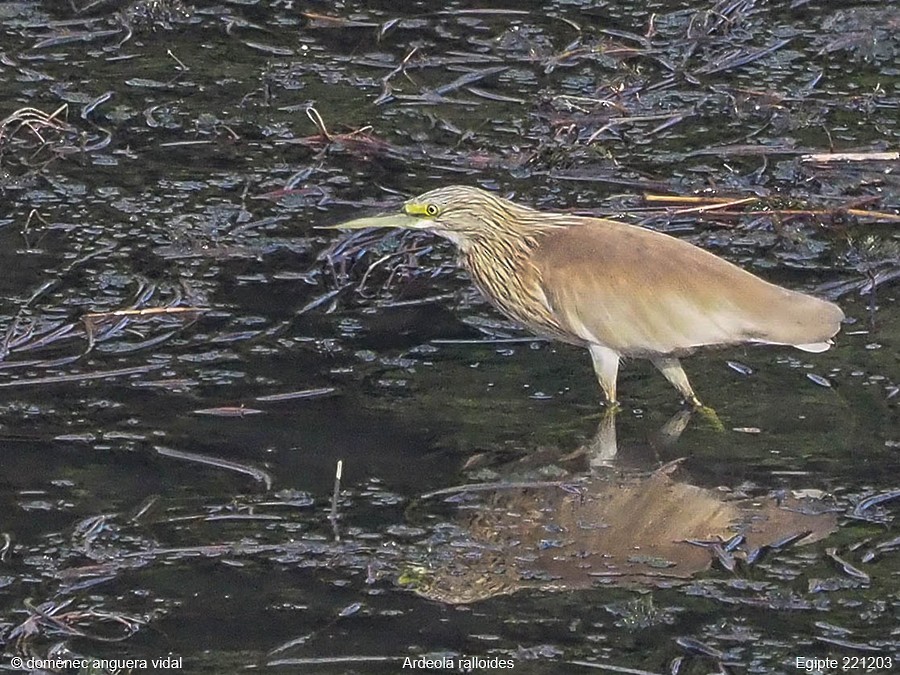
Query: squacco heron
[(619, 290)]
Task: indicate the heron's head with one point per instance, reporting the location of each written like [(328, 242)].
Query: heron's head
[(459, 213)]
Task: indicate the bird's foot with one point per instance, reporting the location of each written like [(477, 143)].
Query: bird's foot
[(612, 408), (709, 416)]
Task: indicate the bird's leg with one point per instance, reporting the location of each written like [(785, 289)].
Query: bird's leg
[(606, 365), (674, 373)]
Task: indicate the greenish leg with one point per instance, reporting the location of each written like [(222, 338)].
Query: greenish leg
[(606, 366), (674, 373)]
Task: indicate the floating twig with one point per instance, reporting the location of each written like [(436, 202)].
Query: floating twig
[(721, 204), (826, 157), (80, 377), (335, 498), (846, 567), (485, 487), (229, 411), (291, 395), (252, 471)]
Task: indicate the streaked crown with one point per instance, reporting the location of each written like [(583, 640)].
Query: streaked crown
[(464, 210)]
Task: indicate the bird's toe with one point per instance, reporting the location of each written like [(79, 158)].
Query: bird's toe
[(709, 416)]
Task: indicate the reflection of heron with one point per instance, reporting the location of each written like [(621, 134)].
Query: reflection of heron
[(619, 290), (613, 529), (603, 447)]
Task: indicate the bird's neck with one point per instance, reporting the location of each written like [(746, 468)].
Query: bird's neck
[(507, 250), (501, 267)]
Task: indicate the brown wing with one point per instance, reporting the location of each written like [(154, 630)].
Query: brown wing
[(640, 292)]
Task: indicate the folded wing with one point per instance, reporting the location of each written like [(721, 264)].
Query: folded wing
[(641, 292)]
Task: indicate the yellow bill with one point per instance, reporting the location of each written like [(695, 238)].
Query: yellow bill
[(395, 220)]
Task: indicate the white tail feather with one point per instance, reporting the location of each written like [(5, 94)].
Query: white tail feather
[(816, 347)]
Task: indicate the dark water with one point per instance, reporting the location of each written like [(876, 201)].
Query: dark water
[(161, 277)]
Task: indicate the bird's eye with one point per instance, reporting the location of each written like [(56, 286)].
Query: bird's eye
[(431, 210)]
